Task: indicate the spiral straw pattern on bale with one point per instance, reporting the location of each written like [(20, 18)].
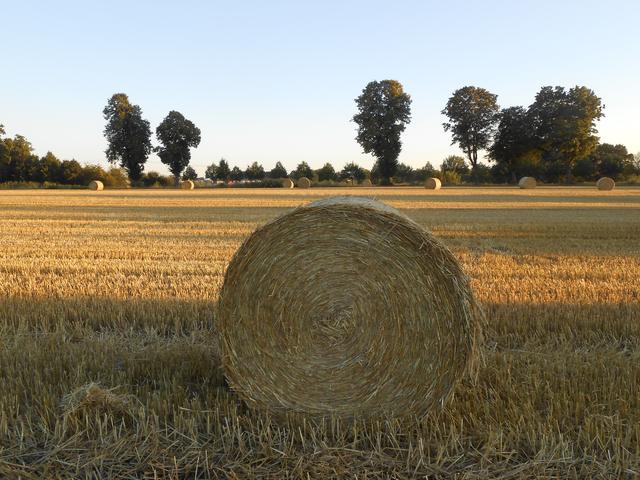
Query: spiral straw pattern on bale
[(304, 182), (96, 185), (433, 184), (287, 183), (345, 307), (527, 182), (605, 183), (187, 185)]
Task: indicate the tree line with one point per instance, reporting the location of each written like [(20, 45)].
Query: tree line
[(553, 139)]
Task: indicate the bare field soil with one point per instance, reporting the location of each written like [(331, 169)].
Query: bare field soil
[(108, 363)]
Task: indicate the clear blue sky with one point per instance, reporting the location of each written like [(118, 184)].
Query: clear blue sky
[(275, 80)]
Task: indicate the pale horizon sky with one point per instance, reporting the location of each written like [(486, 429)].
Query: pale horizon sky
[(276, 81)]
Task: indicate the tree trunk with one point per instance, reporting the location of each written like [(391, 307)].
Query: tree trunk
[(176, 180), (514, 179)]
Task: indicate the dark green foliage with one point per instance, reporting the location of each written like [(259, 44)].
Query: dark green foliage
[(254, 172), (428, 171), (236, 174), (302, 170), (454, 163), (473, 114), (612, 160), (154, 179), (384, 110), (177, 135), (211, 172), (563, 123), (327, 172), (189, 173), (128, 135), (278, 171), (514, 147), (223, 172), (353, 171)]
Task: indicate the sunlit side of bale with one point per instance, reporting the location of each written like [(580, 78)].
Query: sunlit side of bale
[(345, 307)]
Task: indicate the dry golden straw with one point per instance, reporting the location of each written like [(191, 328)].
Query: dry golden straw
[(345, 307), (96, 185), (287, 183), (304, 182), (366, 183), (187, 185), (605, 183), (527, 182), (433, 184)]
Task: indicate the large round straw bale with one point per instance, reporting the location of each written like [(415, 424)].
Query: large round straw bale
[(527, 182), (366, 183), (303, 182), (605, 183), (96, 185), (187, 185), (433, 184), (287, 183), (345, 307)]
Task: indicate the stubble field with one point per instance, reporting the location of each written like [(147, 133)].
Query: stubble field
[(108, 364)]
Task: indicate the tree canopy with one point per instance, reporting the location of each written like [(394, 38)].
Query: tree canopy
[(563, 123), (128, 135), (278, 171), (473, 114), (176, 135), (384, 110)]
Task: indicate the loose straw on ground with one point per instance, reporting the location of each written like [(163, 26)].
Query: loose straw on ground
[(345, 307)]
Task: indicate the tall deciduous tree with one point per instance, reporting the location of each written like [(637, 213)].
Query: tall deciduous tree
[(327, 172), (514, 145), (302, 170), (211, 172), (223, 170), (473, 114), (128, 135), (177, 135), (189, 173), (278, 171), (564, 124), (255, 171), (384, 110), (354, 171)]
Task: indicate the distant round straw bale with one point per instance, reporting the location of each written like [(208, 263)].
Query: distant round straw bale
[(605, 183), (96, 185), (366, 183), (345, 307), (527, 182), (187, 185), (433, 184), (304, 182), (287, 183)]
